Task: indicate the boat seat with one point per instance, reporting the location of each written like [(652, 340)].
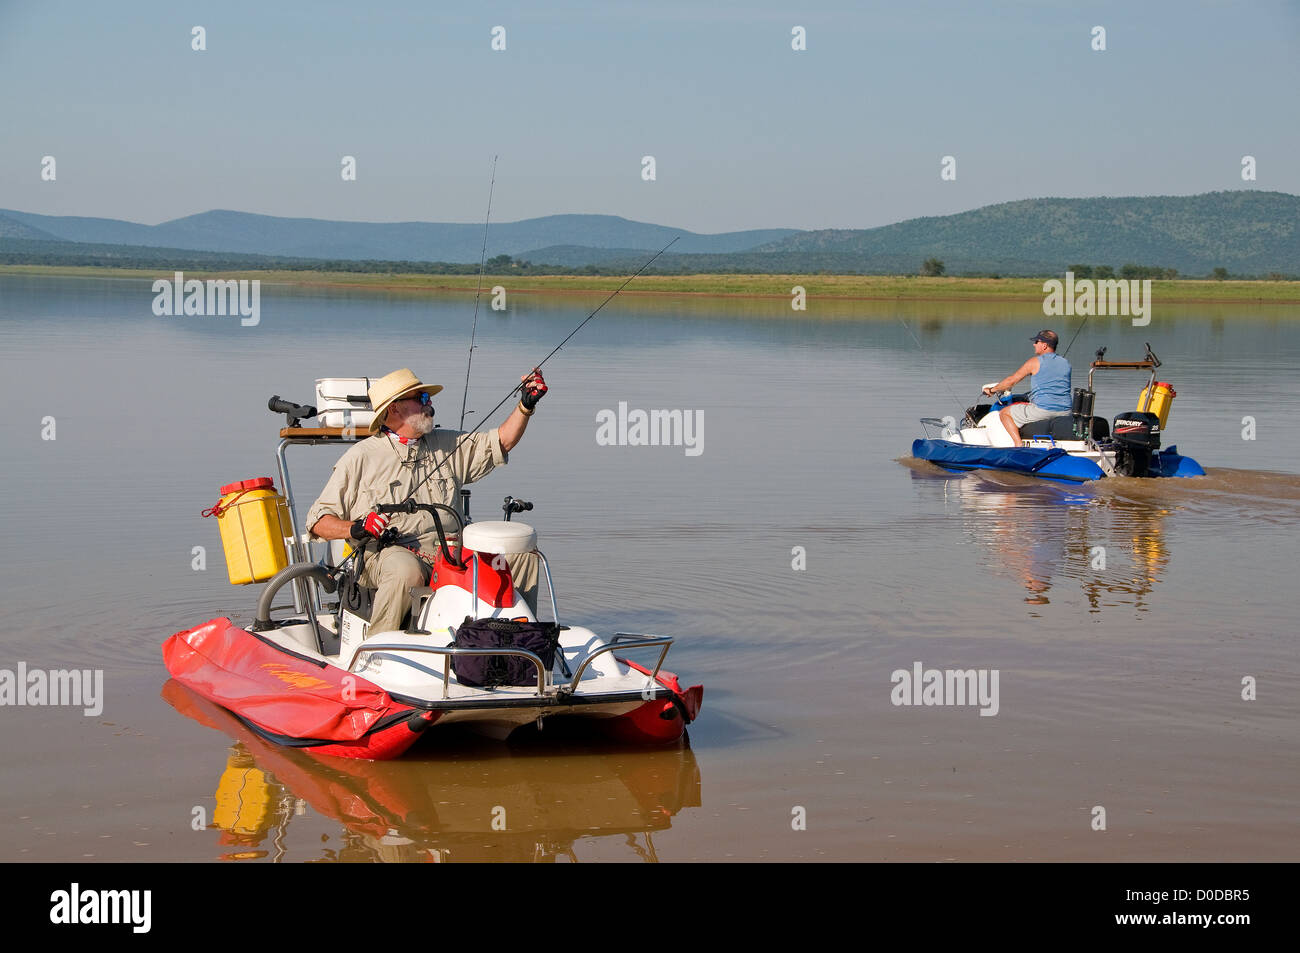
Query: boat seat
[(1061, 427)]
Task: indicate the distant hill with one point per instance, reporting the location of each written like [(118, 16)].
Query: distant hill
[(246, 233), (13, 229), (1244, 231), (23, 251)]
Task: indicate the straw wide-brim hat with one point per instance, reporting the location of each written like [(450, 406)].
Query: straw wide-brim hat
[(391, 387)]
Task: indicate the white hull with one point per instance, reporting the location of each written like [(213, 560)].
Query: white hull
[(401, 664)]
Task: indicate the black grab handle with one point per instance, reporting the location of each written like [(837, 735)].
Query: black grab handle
[(512, 506), (432, 509)]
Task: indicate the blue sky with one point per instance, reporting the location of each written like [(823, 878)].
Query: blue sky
[(746, 132)]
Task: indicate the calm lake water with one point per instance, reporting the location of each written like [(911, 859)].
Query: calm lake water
[(1120, 687)]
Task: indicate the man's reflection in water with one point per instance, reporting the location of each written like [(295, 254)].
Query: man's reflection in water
[(1026, 531), (1040, 563), (1037, 533)]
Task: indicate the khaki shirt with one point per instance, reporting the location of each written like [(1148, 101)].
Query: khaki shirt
[(380, 469)]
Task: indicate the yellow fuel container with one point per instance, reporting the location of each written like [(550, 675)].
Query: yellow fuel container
[(254, 522), (1161, 400)]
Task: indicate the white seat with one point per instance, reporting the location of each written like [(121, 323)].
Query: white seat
[(500, 536)]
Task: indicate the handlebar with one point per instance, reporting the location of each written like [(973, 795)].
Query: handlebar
[(512, 506), (432, 509)]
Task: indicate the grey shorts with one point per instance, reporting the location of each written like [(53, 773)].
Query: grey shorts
[(1022, 414)]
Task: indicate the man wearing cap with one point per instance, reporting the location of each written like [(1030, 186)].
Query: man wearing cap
[(405, 451), (1049, 386)]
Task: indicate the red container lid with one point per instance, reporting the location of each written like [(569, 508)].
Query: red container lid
[(260, 483)]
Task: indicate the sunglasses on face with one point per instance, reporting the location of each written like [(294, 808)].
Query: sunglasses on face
[(423, 397)]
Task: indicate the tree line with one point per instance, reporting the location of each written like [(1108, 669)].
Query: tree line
[(37, 252)]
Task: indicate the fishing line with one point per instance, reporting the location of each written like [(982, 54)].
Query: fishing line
[(934, 364), (478, 294), (537, 366)]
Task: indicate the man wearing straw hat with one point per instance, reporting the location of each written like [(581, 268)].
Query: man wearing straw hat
[(406, 451)]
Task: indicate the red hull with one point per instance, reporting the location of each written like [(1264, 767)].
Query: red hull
[(661, 720), (289, 698), (295, 701)]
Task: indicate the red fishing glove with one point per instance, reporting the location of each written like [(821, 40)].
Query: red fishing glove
[(372, 524)]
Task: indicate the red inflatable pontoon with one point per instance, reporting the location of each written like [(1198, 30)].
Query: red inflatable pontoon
[(289, 698)]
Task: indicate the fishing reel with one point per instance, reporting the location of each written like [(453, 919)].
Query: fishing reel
[(294, 414), (512, 506)]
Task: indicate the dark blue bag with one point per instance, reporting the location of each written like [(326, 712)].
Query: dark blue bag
[(490, 671)]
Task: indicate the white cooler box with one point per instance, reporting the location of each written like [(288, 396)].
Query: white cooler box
[(344, 402)]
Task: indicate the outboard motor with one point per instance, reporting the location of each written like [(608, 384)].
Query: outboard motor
[(1136, 436)]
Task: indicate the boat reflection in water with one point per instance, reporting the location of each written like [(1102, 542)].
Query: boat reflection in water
[(471, 801), (1040, 533)]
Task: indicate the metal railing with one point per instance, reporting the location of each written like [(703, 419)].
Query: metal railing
[(617, 643), (304, 596), (945, 432), (546, 568), (621, 642), (447, 652)]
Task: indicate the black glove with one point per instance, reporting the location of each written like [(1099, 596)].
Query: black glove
[(534, 389)]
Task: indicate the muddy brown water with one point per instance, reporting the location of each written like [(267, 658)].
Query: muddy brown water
[(1120, 679)]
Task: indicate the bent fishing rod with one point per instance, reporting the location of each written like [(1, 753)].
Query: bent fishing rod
[(537, 367), (477, 295), (934, 364)]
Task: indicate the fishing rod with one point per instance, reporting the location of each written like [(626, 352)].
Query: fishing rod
[(1076, 333), (478, 294), (934, 364), (537, 367)]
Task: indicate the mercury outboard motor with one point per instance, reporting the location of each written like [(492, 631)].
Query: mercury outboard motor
[(1136, 436)]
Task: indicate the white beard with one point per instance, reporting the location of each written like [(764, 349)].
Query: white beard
[(417, 422), (420, 422)]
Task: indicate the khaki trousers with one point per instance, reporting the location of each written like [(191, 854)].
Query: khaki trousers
[(394, 570)]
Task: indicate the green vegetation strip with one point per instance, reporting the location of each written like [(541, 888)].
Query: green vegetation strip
[(866, 287)]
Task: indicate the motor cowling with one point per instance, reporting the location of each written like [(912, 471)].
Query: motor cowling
[(1136, 436)]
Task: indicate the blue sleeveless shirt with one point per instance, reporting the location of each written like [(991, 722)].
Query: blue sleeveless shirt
[(1050, 387)]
